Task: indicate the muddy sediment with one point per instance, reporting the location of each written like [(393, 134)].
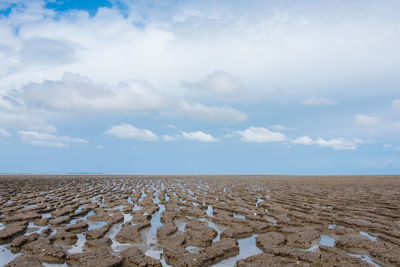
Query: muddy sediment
[(199, 221)]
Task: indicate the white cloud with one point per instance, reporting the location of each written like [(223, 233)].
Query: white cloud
[(279, 127), (266, 43), (198, 136), (318, 101), (209, 113), (100, 147), (369, 121), (303, 140), (396, 103), (334, 143), (169, 138), (220, 83), (392, 147), (340, 143), (260, 135), (4, 133), (39, 50), (125, 130), (46, 139), (75, 92)]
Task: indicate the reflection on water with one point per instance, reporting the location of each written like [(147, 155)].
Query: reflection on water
[(78, 246), (247, 248), (6, 255), (364, 257), (372, 238)]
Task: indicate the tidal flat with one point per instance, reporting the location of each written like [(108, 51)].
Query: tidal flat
[(156, 220)]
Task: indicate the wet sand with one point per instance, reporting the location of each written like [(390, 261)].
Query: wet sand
[(96, 220)]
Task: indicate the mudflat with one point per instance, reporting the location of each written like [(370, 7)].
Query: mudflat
[(125, 220)]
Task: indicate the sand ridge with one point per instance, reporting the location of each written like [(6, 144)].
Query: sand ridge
[(126, 220)]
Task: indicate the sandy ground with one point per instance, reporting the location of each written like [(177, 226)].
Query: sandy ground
[(199, 221)]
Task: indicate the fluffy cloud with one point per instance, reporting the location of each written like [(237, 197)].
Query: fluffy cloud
[(368, 121), (209, 113), (169, 138), (261, 41), (303, 140), (125, 130), (75, 92), (279, 127), (340, 143), (198, 136), (4, 133), (318, 101), (260, 135), (219, 83), (39, 51), (334, 143), (46, 139)]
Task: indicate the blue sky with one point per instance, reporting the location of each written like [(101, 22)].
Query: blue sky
[(272, 87)]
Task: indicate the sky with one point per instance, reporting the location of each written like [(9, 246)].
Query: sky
[(200, 87)]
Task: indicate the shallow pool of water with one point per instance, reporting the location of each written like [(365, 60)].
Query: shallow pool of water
[(210, 211), (78, 246), (371, 237), (96, 225), (247, 248), (364, 257), (193, 249), (235, 215), (6, 255), (325, 240), (155, 224), (54, 265)]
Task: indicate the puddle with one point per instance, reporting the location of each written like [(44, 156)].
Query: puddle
[(259, 200), (155, 224), (2, 226), (247, 248), (136, 207), (143, 195), (79, 209), (210, 211), (32, 228), (116, 246), (6, 255), (215, 227), (96, 225), (155, 254), (371, 237), (54, 265), (78, 246), (364, 257), (127, 217), (181, 227), (270, 219), (156, 200), (325, 240), (193, 249), (332, 226), (235, 215), (46, 215)]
